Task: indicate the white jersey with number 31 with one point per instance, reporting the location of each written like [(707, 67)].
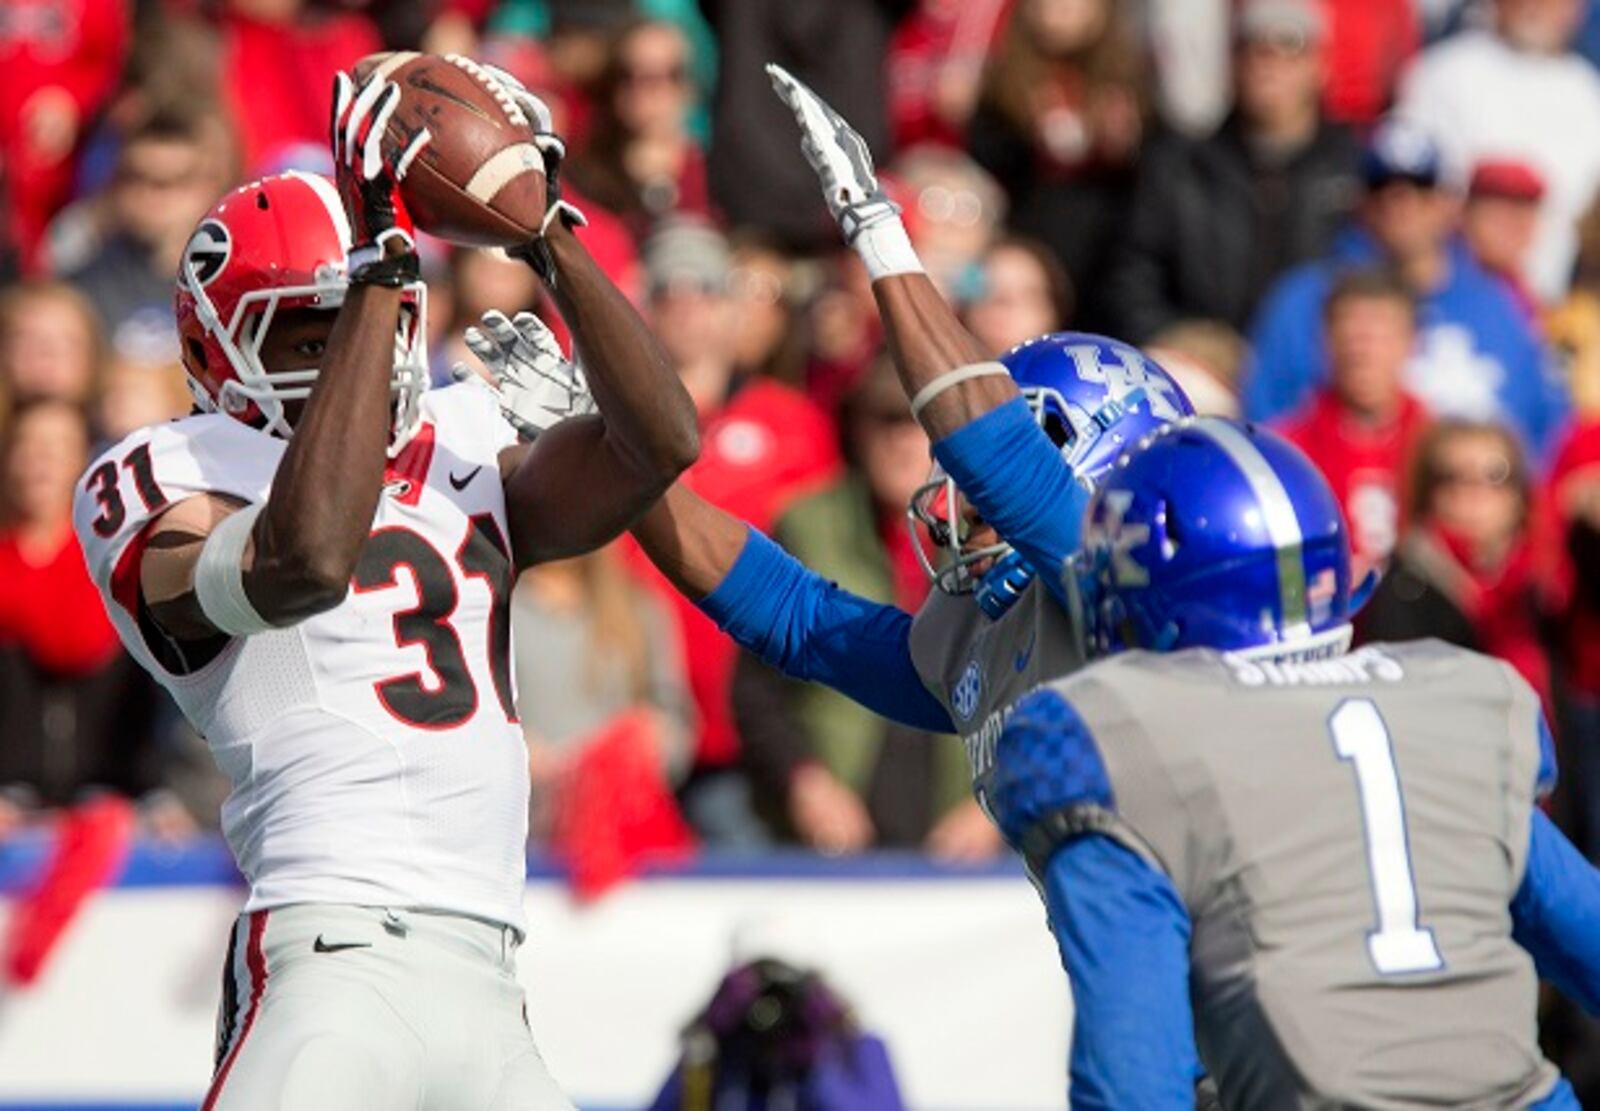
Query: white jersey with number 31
[(373, 749)]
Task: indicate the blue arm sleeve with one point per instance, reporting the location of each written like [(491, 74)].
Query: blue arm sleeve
[(1120, 924), (808, 628), (1556, 914), (1006, 466), (1547, 776), (1124, 939)]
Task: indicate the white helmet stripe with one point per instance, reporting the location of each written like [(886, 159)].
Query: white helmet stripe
[(329, 196), (1277, 514)]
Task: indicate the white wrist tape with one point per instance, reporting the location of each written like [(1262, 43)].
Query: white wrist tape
[(219, 576), (886, 249), (953, 378)]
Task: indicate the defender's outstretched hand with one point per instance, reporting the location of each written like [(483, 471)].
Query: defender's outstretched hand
[(537, 386), (838, 154)]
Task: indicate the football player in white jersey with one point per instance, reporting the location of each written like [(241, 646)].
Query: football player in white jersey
[(317, 566)]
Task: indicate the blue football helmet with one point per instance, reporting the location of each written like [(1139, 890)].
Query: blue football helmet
[(1094, 397), (1219, 534)]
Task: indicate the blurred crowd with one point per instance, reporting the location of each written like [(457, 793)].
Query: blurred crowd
[(1372, 224)]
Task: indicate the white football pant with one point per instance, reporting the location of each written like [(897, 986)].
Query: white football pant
[(347, 1008)]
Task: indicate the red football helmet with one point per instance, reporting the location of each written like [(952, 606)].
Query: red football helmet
[(277, 243)]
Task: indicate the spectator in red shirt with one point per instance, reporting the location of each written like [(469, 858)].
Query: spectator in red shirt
[(640, 160), (762, 444), (59, 61), (77, 713), (1362, 427), (47, 602), (1468, 570), (935, 68), (279, 57), (1368, 45)]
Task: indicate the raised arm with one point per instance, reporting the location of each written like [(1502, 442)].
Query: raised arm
[(967, 402), (586, 480), (791, 617), (692, 542), (1120, 924), (209, 568), (1123, 935), (761, 596), (927, 340)]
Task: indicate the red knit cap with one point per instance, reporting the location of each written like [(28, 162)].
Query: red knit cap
[(1508, 178)]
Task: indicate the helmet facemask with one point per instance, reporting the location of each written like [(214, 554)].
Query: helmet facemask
[(268, 391), (940, 508)]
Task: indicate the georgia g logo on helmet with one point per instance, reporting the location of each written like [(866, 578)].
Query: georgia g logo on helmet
[(207, 252)]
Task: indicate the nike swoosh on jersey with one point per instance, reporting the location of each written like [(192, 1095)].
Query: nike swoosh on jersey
[(459, 484), (320, 946), (1021, 662)]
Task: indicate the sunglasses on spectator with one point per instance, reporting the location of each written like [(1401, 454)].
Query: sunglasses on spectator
[(688, 287), (1494, 476), (941, 205), (1277, 42), (750, 284), (129, 175), (675, 75)]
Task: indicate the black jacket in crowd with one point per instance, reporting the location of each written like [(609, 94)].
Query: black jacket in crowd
[(1213, 221), (757, 175)]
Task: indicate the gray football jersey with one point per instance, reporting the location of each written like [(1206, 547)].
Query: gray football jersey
[(978, 666), (1347, 835)]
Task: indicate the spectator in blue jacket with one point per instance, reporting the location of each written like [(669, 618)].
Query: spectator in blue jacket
[(1477, 356)]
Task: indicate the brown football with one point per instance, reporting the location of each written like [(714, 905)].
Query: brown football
[(480, 180)]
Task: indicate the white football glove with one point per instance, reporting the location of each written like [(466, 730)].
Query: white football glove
[(838, 154), (536, 385)]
